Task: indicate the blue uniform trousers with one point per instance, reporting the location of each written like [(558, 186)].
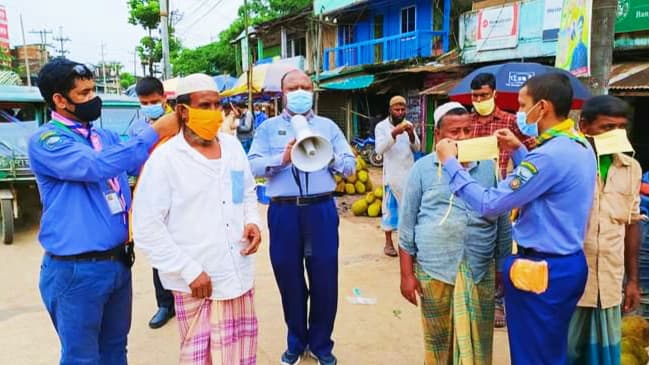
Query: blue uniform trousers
[(306, 236), (89, 303), (537, 324)]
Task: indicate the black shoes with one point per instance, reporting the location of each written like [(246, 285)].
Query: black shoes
[(161, 317)]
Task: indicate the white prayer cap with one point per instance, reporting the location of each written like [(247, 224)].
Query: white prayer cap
[(441, 110), (195, 83)]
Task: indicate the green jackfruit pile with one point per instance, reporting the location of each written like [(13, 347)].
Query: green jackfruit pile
[(358, 183), (370, 204), (635, 339)]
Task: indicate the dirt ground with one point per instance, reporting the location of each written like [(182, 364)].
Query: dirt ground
[(388, 332)]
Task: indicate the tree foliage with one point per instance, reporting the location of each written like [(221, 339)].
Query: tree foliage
[(146, 13), (126, 80), (220, 56)]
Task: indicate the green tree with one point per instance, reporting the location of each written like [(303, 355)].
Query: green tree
[(5, 59), (146, 13), (126, 80)]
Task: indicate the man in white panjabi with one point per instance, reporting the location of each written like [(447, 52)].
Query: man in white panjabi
[(396, 140), (196, 219)]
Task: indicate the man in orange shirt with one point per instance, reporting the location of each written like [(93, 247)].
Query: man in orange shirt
[(150, 92)]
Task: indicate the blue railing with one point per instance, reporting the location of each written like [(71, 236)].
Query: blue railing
[(393, 48)]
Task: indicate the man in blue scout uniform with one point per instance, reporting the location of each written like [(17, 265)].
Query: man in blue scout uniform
[(85, 279), (303, 231), (554, 186)]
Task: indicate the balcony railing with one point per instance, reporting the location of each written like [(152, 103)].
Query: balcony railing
[(393, 48)]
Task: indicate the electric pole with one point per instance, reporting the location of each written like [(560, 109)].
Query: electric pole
[(103, 65), (62, 40), (245, 5), (602, 40), (164, 23), (27, 65), (43, 33)]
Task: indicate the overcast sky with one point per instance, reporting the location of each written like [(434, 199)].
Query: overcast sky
[(88, 23)]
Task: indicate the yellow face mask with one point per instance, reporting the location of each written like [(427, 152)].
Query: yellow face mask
[(485, 107), (477, 149), (204, 122), (615, 141)]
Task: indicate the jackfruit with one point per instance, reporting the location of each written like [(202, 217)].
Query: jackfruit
[(360, 164), (352, 179), (374, 210), (629, 359), (363, 176), (350, 189), (632, 345), (338, 178), (378, 192), (340, 187), (369, 198), (359, 207), (360, 187), (636, 326), (368, 185)]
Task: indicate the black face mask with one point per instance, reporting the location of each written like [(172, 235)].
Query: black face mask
[(87, 111)]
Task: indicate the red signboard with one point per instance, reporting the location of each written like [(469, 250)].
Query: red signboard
[(4, 29)]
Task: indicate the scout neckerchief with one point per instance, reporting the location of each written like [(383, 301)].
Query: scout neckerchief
[(89, 135), (566, 129)]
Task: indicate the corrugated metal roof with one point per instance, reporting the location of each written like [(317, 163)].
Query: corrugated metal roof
[(442, 88), (629, 76)]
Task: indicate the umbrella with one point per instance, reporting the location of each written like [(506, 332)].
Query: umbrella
[(265, 78), (510, 77), (224, 82)]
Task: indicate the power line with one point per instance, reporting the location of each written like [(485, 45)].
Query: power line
[(202, 16), (62, 40), (43, 33)]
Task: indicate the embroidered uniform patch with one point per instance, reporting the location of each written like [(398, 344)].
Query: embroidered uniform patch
[(523, 173), (50, 140)]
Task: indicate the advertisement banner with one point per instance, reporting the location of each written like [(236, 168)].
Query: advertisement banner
[(573, 47), (4, 29), (498, 27), (632, 16), (552, 20)]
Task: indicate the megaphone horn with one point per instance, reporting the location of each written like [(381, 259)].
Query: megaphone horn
[(310, 152)]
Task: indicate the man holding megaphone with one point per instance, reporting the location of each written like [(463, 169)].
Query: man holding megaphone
[(298, 152)]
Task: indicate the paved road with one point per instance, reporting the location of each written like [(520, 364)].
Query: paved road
[(386, 333)]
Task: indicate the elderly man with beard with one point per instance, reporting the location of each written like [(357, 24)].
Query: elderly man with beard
[(396, 140), (303, 221), (195, 217)]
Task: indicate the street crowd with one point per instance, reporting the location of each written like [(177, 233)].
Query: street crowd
[(529, 221)]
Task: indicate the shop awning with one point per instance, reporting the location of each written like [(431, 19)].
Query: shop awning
[(441, 89), (629, 76), (349, 83)]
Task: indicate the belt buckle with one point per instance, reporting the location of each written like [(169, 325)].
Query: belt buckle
[(301, 201)]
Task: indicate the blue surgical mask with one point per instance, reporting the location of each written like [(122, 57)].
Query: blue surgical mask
[(153, 111), (299, 101), (528, 129)]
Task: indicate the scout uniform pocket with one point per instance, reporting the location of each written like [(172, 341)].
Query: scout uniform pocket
[(529, 275)]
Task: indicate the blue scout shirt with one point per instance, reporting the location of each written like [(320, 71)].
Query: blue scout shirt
[(267, 150), (73, 179), (463, 235), (553, 185)]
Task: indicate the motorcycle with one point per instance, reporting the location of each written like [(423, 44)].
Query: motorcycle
[(365, 148)]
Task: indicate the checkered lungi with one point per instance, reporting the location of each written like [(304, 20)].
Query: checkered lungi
[(218, 332)]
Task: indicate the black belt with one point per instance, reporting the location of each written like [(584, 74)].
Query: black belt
[(116, 253), (302, 200), (534, 253)]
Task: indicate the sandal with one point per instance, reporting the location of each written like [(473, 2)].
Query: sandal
[(390, 251)]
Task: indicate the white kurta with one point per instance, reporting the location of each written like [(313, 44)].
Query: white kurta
[(397, 154), (189, 215)]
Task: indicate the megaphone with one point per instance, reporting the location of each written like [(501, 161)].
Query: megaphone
[(310, 152)]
